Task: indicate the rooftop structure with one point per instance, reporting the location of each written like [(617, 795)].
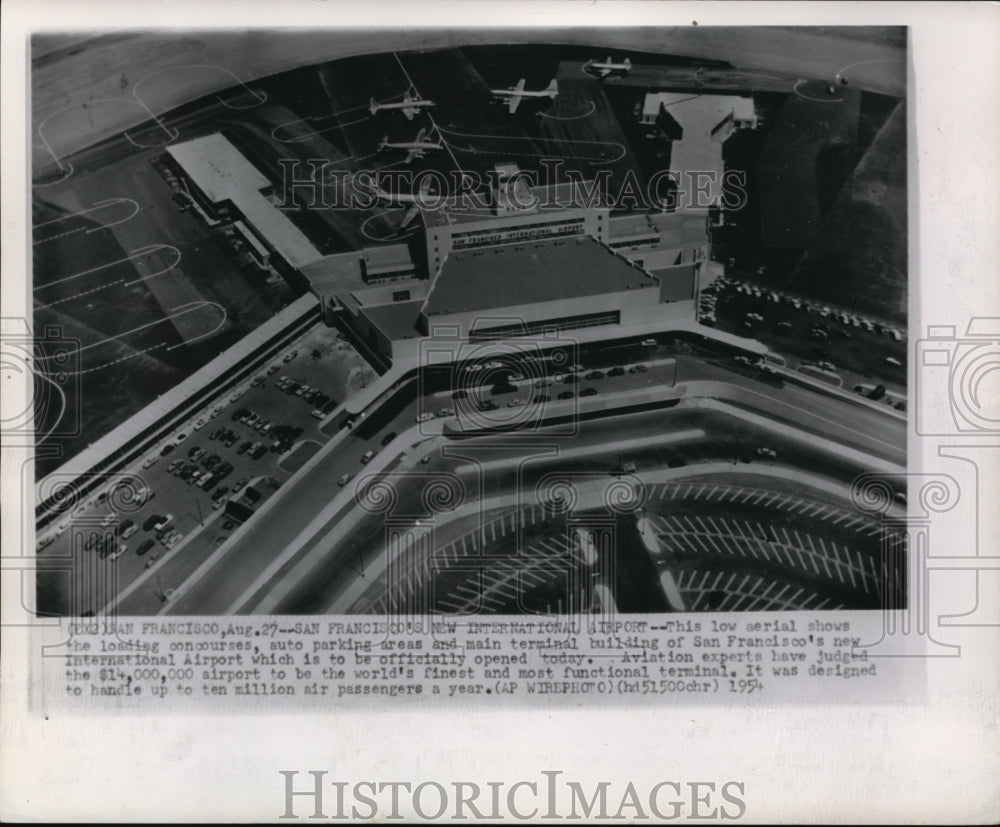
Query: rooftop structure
[(532, 273), (512, 211), (698, 125), (225, 179)]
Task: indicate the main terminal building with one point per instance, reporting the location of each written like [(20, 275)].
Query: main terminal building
[(529, 261)]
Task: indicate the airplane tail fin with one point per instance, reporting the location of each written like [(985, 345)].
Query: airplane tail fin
[(408, 218), (383, 142), (372, 106), (553, 88)]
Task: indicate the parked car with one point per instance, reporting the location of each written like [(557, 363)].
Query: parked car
[(367, 457)]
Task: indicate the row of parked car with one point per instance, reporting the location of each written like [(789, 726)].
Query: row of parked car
[(320, 401), (815, 309)]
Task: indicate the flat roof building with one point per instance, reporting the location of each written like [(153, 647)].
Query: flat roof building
[(509, 291), (513, 211), (518, 261), (698, 126), (226, 181)]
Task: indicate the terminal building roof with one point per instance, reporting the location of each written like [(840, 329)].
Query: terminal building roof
[(489, 278), (526, 200), (222, 173), (397, 320)]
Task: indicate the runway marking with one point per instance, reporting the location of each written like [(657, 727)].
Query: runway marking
[(799, 82), (138, 253), (392, 236), (311, 118), (98, 205), (122, 359), (179, 311), (841, 71), (594, 159), (86, 105), (587, 114), (260, 97)]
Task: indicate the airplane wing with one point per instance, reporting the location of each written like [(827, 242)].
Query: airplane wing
[(519, 87), (410, 155), (420, 136), (513, 102), (605, 71), (410, 111)]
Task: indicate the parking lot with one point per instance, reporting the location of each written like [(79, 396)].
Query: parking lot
[(823, 341), (235, 444)]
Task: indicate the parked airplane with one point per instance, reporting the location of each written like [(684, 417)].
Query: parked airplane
[(400, 198), (410, 105), (606, 68), (516, 94), (415, 148)]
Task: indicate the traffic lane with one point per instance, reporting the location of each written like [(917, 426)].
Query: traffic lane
[(829, 416), (853, 421), (882, 436), (277, 533), (726, 438), (186, 499)]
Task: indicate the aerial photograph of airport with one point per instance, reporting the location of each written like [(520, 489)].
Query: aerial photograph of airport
[(469, 322)]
